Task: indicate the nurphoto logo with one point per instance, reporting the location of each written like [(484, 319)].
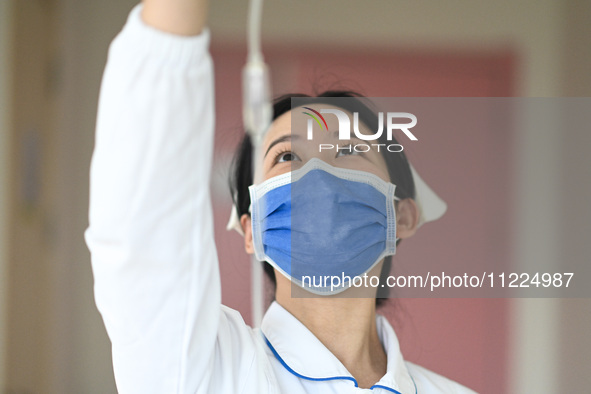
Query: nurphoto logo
[(392, 124)]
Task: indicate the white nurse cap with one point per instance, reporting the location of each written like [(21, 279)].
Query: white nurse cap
[(431, 206)]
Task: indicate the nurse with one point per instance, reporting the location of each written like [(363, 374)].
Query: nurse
[(154, 260)]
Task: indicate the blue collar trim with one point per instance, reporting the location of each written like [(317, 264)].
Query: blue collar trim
[(324, 379), (302, 376), (385, 388), (392, 390)]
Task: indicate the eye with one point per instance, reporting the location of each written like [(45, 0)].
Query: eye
[(286, 156), (347, 151)]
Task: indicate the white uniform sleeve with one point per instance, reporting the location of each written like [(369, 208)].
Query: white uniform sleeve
[(154, 260)]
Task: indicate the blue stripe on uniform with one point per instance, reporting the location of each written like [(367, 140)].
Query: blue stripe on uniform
[(302, 376), (325, 379)]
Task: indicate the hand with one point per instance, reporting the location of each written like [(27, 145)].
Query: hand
[(181, 17)]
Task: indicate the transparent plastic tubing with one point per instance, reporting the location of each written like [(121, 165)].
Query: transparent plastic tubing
[(257, 114)]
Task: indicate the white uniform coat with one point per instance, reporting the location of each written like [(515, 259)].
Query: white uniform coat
[(157, 282)]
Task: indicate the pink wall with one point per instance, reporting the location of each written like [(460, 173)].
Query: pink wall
[(464, 339)]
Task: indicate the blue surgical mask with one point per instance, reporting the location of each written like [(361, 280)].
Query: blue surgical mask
[(321, 221)]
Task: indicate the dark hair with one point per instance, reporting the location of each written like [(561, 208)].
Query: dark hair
[(241, 176)]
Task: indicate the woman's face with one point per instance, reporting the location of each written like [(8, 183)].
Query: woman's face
[(286, 147)]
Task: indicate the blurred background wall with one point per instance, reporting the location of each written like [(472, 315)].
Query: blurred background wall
[(575, 228), (5, 73), (52, 53)]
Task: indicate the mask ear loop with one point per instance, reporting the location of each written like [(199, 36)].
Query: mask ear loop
[(395, 223), (391, 220)]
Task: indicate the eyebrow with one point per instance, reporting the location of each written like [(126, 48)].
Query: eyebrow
[(279, 140)]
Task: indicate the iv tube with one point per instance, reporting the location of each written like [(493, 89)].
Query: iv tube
[(257, 114)]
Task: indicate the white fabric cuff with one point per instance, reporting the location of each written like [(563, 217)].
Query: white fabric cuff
[(170, 48)]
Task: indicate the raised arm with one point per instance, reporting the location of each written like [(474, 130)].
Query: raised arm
[(151, 239)]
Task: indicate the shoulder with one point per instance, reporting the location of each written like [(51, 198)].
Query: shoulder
[(430, 382)]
